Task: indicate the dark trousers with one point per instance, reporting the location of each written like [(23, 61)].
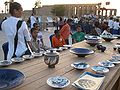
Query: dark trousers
[(5, 51), (67, 41)]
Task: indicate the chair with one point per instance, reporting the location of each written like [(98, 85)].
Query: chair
[(51, 39), (5, 50)]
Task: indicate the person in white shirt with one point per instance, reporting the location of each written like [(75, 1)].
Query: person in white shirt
[(116, 27), (9, 26), (110, 23), (32, 20)]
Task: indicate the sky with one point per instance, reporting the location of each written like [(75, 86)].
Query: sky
[(29, 4)]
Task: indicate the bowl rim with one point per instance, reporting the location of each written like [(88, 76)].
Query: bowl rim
[(91, 51)]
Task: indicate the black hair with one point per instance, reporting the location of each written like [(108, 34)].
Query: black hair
[(56, 31), (69, 20), (14, 5), (35, 24), (32, 29)]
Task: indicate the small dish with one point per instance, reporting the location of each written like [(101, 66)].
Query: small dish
[(80, 65), (115, 61), (37, 54), (5, 62), (58, 82), (28, 57), (116, 57), (68, 46), (100, 69), (17, 59), (89, 81), (106, 64)]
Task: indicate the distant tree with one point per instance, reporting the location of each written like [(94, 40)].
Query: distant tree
[(37, 4), (58, 10)]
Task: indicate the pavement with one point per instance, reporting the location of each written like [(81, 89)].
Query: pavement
[(45, 33)]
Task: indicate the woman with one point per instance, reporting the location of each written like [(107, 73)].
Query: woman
[(9, 27)]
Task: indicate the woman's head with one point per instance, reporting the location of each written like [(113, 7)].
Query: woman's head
[(16, 9)]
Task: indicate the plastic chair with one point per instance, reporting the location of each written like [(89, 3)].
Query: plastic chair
[(51, 39)]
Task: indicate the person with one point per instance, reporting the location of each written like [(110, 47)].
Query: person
[(57, 40), (66, 31), (34, 40), (9, 27), (32, 20), (39, 36), (78, 36)]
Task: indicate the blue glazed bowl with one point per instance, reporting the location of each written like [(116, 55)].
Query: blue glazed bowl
[(10, 78), (81, 52)]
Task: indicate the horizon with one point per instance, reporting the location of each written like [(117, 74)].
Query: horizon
[(30, 3)]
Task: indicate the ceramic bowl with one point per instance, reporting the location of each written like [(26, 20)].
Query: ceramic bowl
[(81, 52)]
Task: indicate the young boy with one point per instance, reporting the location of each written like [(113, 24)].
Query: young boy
[(57, 40), (78, 36)]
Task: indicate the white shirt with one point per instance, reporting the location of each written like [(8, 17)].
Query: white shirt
[(116, 25), (9, 27), (40, 37), (32, 21), (110, 23)]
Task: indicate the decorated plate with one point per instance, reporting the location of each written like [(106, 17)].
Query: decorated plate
[(100, 69), (10, 78), (106, 64), (28, 57), (80, 65), (58, 82), (68, 46), (89, 81), (5, 63), (17, 59), (116, 57), (115, 61), (37, 54)]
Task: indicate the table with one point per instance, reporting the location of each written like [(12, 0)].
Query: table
[(37, 72)]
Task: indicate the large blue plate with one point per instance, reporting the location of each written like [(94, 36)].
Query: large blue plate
[(10, 78), (81, 52)]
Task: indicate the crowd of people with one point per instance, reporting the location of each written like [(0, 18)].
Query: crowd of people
[(29, 32)]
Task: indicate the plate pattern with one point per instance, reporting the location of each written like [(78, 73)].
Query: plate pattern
[(58, 82)]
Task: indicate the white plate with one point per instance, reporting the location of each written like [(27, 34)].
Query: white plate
[(116, 57), (58, 82), (100, 69), (89, 81), (37, 54), (68, 46), (80, 65), (106, 64), (17, 59), (5, 63), (115, 61), (27, 57)]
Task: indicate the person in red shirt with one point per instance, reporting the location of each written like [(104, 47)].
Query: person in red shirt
[(57, 40), (65, 31)]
